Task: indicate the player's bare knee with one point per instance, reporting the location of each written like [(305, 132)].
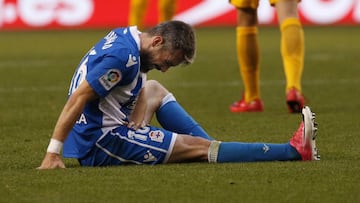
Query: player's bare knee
[(156, 89)]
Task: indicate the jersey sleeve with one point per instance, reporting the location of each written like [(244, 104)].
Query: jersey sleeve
[(111, 71)]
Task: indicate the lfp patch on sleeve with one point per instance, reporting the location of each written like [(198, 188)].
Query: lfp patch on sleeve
[(110, 79)]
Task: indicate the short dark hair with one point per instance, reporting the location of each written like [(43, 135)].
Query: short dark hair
[(177, 35)]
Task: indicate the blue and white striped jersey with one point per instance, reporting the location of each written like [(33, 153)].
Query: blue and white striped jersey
[(112, 68)]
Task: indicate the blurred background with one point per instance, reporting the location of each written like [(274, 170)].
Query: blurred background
[(42, 41), (67, 14)]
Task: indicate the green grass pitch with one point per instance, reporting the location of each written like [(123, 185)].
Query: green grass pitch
[(35, 70)]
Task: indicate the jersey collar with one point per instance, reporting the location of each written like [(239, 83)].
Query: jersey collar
[(135, 34)]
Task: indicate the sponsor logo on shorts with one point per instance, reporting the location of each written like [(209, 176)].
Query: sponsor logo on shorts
[(156, 136), (110, 79)]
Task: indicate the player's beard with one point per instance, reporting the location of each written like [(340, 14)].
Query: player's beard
[(146, 59)]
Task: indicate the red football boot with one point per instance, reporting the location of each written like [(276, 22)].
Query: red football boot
[(303, 139), (295, 101), (242, 106)]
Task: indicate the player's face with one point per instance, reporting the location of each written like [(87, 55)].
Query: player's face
[(161, 60)]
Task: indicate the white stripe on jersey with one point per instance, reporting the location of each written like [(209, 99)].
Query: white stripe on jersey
[(110, 105)]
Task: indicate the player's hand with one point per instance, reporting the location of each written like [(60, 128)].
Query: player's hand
[(51, 161), (136, 125)]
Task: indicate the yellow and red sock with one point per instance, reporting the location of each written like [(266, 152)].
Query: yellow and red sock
[(249, 58), (292, 51)]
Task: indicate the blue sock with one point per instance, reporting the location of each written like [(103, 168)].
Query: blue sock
[(251, 152), (173, 117)]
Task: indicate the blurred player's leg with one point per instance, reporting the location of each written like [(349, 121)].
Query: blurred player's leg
[(248, 55), (166, 10), (137, 13), (292, 51), (248, 58)]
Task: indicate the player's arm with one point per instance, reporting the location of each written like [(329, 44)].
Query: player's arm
[(71, 111)]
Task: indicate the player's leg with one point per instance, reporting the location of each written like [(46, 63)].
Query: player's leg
[(169, 113), (152, 145), (248, 56), (292, 51), (188, 148), (137, 12), (301, 146), (252, 152), (166, 10)]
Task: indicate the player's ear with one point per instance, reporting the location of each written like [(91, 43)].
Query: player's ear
[(157, 41)]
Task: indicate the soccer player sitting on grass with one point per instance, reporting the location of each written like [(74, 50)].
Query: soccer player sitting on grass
[(105, 120)]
